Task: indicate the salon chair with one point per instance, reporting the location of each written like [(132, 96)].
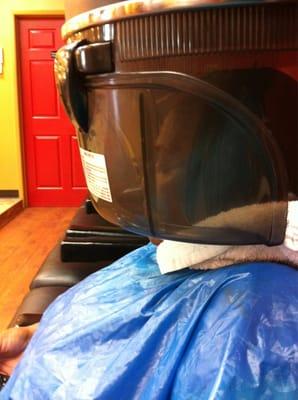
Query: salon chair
[(90, 243), (89, 237)]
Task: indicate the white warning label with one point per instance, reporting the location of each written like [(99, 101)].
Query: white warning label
[(96, 174)]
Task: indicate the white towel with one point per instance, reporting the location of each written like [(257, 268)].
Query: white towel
[(173, 256), (291, 237)]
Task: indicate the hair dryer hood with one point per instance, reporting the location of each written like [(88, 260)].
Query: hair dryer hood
[(178, 129)]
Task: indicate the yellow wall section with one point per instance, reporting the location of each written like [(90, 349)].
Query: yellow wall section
[(11, 175)]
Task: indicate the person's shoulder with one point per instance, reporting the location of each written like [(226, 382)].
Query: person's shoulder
[(262, 279)]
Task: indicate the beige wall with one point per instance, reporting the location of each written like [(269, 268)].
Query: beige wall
[(11, 174)]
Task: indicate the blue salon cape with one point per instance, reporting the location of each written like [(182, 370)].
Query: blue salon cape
[(127, 332)]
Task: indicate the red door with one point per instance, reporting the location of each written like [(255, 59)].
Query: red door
[(53, 168)]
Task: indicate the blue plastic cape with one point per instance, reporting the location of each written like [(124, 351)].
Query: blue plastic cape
[(127, 332)]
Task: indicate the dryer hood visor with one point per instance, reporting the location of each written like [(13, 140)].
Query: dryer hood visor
[(171, 156)]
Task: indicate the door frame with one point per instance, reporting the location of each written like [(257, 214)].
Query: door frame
[(17, 18)]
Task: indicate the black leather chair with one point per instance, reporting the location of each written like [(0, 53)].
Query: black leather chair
[(34, 304), (55, 272), (90, 243)]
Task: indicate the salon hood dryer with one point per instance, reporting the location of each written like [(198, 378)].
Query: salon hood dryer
[(186, 114)]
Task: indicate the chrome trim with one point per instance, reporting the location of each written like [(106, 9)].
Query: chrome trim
[(134, 8), (98, 33)]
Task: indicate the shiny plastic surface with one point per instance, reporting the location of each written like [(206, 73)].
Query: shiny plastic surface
[(92, 12), (181, 155), (128, 333), (70, 85)]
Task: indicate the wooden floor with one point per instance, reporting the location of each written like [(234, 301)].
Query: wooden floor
[(24, 244)]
